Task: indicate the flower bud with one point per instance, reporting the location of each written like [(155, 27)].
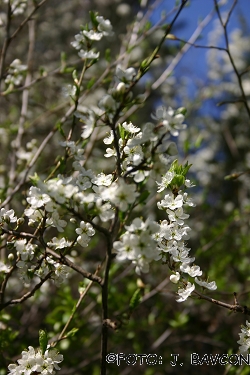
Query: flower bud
[(20, 221), (121, 88), (175, 278)]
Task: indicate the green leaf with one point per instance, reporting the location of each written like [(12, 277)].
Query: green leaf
[(90, 83), (43, 340), (178, 180), (60, 129), (72, 332), (93, 16), (34, 179), (186, 168), (135, 299), (107, 55), (181, 110), (198, 141), (122, 132), (144, 67)]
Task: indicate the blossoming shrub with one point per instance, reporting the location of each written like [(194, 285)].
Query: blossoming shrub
[(95, 206)]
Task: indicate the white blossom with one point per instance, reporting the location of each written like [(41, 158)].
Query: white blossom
[(92, 35), (121, 194), (134, 154), (17, 6), (184, 293), (35, 362), (26, 250), (109, 139), (244, 340), (125, 75), (166, 180), (102, 180), (211, 286), (104, 26), (55, 221), (130, 127), (7, 216), (79, 41), (110, 152), (193, 271), (138, 244), (105, 210), (91, 54), (171, 202), (4, 268), (83, 182), (15, 73), (171, 122), (59, 243), (36, 198), (178, 215), (85, 231)]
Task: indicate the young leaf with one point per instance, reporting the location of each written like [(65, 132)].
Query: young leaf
[(135, 299), (43, 340)]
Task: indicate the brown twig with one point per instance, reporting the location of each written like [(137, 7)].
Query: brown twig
[(235, 307), (64, 260), (26, 295)]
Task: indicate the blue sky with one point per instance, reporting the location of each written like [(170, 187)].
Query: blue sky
[(190, 17)]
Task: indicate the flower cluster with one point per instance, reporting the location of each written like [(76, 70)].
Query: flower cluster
[(170, 120), (120, 194), (24, 249), (15, 73), (138, 244), (136, 145), (94, 32), (17, 6), (173, 233), (42, 205), (42, 210), (27, 270), (244, 340), (119, 95), (85, 232), (36, 362)]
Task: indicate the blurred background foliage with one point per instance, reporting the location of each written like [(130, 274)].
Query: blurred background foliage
[(216, 142)]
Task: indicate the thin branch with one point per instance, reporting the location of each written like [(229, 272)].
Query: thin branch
[(105, 294), (6, 42), (64, 260), (235, 307), (230, 13), (28, 294), (8, 38), (238, 75), (19, 234), (16, 32), (184, 50), (82, 295), (197, 45), (25, 98)]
